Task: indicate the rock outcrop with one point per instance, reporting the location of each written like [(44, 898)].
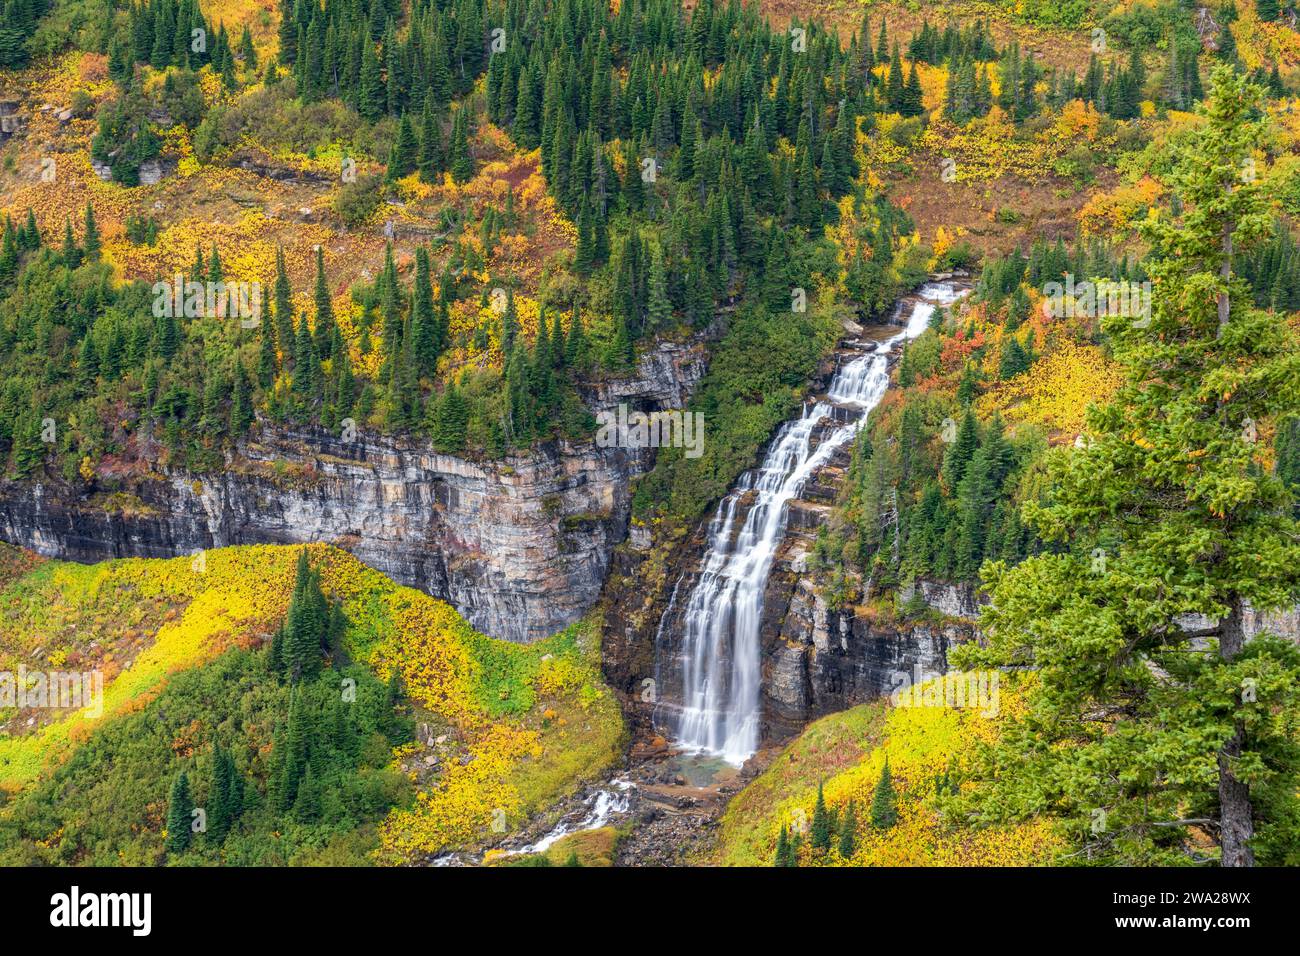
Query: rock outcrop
[(519, 546), (953, 599), (11, 121), (819, 659)]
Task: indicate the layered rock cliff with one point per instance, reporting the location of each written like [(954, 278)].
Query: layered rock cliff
[(520, 546), (819, 659)]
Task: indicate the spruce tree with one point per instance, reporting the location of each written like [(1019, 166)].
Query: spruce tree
[(429, 160), (660, 309), (30, 239), (406, 150), (290, 751), (180, 813), (884, 810), (304, 623), (849, 831), (306, 363), (575, 346), (424, 322), (284, 330), (961, 451), (450, 414), (896, 88), (91, 241), (1013, 360), (821, 822), (461, 165), (1135, 733), (912, 103), (323, 335), (216, 271), (372, 96), (782, 848), (219, 808), (71, 253), (307, 802), (8, 254)]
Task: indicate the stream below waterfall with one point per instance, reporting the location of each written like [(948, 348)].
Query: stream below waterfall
[(718, 661)]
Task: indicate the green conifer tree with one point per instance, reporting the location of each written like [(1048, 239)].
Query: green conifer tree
[(821, 822), (884, 809), (1186, 737), (849, 831), (180, 810), (91, 241)]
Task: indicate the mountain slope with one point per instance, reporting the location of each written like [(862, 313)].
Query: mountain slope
[(186, 649)]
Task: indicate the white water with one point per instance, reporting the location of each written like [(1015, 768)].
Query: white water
[(600, 807), (719, 660)]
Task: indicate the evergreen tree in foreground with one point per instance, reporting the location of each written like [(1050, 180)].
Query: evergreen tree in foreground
[(1135, 731)]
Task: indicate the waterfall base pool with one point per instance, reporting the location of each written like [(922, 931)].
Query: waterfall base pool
[(702, 770)]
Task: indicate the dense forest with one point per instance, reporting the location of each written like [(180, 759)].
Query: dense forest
[(684, 195), (699, 157)]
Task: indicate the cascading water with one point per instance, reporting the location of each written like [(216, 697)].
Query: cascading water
[(719, 660), (600, 806)]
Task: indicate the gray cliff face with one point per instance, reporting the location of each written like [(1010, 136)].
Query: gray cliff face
[(818, 659), (953, 599), (519, 546)]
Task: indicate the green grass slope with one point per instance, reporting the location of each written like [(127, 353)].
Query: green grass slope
[(372, 759)]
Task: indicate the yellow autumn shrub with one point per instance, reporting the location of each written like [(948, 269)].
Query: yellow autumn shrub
[(1056, 390), (922, 744), (533, 720)]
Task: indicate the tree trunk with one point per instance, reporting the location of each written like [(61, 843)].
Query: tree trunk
[(1236, 826), (1225, 270)]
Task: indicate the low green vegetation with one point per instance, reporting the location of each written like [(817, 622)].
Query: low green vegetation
[(283, 773), (284, 706)]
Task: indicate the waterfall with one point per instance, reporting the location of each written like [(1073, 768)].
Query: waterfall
[(719, 659)]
